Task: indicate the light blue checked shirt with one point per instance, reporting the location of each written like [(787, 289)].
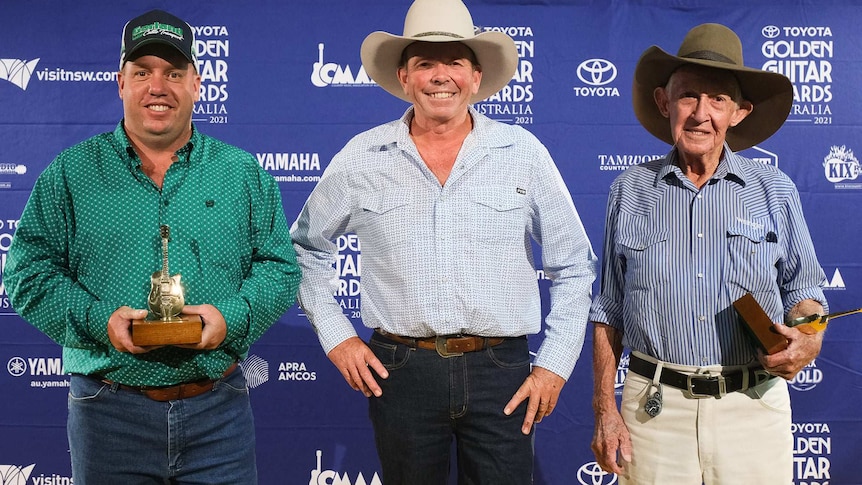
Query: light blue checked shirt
[(676, 258), (452, 259)]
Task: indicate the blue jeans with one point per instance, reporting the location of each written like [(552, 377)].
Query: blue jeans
[(120, 436), (428, 399)]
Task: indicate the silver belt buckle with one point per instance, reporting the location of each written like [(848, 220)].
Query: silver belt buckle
[(722, 386), (442, 348)]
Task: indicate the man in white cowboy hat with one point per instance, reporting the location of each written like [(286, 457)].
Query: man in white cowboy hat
[(686, 236), (444, 202)]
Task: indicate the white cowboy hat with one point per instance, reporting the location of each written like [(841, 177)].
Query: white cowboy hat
[(440, 21), (713, 45)]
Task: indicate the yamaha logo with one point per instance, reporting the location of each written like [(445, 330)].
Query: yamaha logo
[(16, 366), (770, 31), (597, 72)]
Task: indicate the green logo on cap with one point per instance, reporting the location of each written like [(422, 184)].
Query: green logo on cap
[(157, 28)]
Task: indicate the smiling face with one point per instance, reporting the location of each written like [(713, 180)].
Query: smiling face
[(439, 78), (159, 88), (702, 104)]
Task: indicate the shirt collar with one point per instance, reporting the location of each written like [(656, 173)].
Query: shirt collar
[(127, 152), (485, 131), (729, 167)]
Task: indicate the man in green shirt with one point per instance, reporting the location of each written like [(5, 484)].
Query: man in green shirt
[(80, 264)]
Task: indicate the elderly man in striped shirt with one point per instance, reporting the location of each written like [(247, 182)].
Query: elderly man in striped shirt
[(686, 236)]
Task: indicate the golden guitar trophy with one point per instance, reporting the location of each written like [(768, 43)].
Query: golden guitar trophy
[(168, 326), (759, 326)]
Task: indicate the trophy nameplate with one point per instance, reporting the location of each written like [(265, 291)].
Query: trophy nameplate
[(168, 325), (759, 325)]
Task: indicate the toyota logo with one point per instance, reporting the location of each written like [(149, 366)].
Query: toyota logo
[(770, 31), (597, 72), (592, 474)]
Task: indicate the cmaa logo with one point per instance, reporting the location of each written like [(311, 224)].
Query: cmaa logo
[(330, 74), (255, 369), (15, 475), (17, 72), (319, 476), (592, 474), (840, 164)]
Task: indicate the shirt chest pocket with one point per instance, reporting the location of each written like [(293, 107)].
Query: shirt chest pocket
[(752, 255), (497, 215), (643, 247), (386, 217)]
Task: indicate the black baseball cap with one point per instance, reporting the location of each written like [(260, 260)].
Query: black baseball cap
[(157, 26)]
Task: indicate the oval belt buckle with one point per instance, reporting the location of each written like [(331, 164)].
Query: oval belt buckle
[(443, 349)]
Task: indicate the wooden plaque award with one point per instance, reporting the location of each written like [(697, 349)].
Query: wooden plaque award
[(758, 325), (166, 300)]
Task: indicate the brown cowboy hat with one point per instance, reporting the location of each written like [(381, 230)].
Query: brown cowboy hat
[(713, 45), (440, 21)]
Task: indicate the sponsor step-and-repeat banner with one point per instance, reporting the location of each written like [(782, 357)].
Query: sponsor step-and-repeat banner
[(284, 81)]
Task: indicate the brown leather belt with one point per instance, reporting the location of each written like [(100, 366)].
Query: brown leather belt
[(446, 345), (172, 393)]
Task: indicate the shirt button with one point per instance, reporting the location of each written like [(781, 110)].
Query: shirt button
[(700, 275), (702, 318), (700, 235), (167, 202)]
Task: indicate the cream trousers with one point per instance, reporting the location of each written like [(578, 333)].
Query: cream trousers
[(743, 438)]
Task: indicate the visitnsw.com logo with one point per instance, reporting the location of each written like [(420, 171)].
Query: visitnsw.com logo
[(15, 475), (17, 72)]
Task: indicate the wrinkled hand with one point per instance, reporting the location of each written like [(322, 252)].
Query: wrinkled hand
[(120, 330), (541, 389), (610, 437), (353, 358), (801, 349), (214, 327)]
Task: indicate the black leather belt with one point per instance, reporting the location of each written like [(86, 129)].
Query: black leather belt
[(702, 385)]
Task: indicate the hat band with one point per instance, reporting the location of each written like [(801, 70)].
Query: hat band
[(709, 56), (445, 34)]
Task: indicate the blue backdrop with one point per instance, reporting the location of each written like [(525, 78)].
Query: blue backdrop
[(283, 80)]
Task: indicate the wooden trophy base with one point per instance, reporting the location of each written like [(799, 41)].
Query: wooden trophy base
[(183, 329), (759, 325)]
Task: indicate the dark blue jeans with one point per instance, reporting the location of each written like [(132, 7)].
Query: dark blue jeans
[(118, 436), (428, 399)]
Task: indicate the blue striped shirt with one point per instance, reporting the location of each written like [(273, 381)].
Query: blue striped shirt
[(451, 259), (676, 258)]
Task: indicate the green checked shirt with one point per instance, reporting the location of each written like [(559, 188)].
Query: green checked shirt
[(88, 242)]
